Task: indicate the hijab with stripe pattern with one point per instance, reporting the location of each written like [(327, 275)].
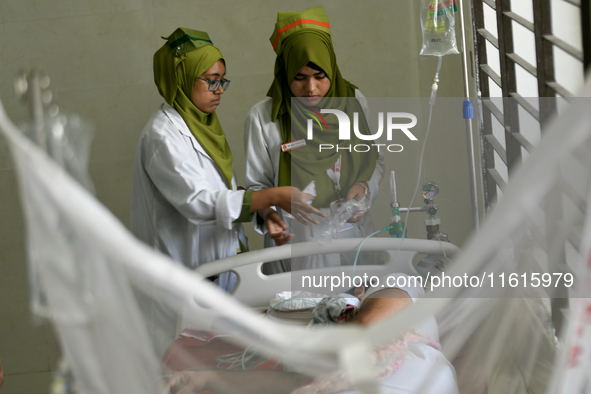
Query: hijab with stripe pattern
[(301, 38)]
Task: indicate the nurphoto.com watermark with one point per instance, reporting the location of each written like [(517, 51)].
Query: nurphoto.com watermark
[(488, 280), (336, 282)]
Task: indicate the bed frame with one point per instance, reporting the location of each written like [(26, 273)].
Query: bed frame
[(256, 289)]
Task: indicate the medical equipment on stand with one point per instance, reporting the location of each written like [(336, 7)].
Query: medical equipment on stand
[(439, 39), (397, 228), (430, 192), (431, 264)]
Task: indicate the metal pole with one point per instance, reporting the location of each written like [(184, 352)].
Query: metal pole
[(464, 60), (472, 165), (469, 115)]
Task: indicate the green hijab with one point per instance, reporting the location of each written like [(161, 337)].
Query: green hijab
[(300, 38), (185, 56)]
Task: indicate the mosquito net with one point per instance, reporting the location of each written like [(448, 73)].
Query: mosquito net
[(117, 306)]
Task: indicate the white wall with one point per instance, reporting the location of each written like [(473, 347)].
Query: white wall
[(99, 56)]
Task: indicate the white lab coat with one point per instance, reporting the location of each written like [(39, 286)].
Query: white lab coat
[(262, 143), (180, 202)]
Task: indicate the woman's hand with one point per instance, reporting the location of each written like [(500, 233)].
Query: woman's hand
[(290, 199), (357, 192), (187, 382), (295, 202), (276, 228)]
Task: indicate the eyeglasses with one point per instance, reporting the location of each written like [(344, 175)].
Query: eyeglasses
[(215, 85)]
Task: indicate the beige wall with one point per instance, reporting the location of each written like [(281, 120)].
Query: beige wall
[(98, 55)]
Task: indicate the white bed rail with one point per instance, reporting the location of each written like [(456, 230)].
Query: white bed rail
[(255, 289)]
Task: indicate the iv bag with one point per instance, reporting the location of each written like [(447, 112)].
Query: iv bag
[(438, 27)]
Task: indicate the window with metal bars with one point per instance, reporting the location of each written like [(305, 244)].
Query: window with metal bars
[(523, 53), (530, 55)]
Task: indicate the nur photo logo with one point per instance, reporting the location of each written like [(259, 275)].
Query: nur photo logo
[(394, 121)]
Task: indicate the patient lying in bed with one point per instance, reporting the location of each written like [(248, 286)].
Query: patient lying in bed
[(422, 368)]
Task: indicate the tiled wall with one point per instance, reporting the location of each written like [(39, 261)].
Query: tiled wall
[(99, 57)]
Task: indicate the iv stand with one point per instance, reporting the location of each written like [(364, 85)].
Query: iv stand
[(468, 112)]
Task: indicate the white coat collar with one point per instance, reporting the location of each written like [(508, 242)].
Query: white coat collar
[(180, 124)]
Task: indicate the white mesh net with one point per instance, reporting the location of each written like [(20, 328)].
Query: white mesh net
[(104, 291)]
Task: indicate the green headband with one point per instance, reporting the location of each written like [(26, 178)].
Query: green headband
[(185, 40)]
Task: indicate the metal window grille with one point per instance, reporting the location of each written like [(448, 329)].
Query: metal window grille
[(499, 29), (502, 153)]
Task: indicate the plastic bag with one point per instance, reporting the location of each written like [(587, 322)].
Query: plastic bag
[(340, 212), (438, 27)]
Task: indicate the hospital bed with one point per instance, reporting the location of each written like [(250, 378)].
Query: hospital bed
[(255, 290)]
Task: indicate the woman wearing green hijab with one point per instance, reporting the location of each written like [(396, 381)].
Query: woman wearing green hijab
[(185, 201), (279, 151)]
